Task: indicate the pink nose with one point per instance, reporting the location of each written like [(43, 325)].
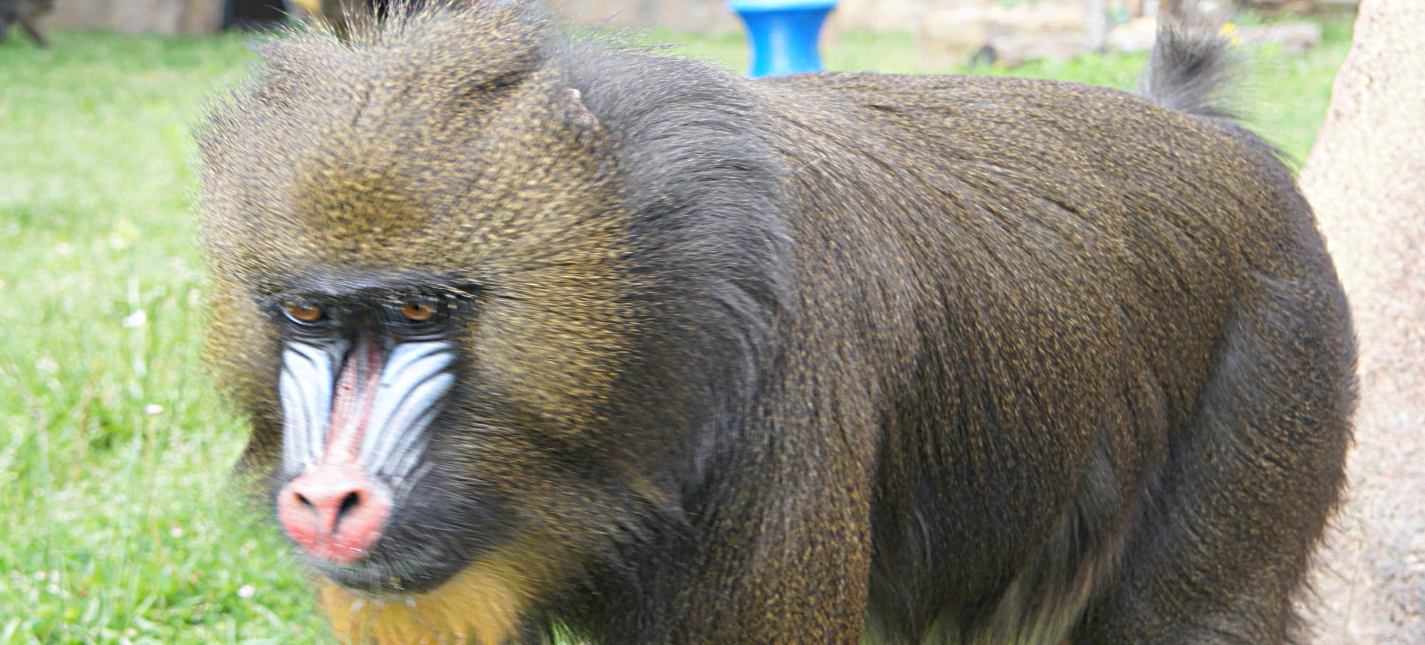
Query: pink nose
[(333, 511)]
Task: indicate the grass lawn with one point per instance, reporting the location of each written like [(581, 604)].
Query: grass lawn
[(118, 522)]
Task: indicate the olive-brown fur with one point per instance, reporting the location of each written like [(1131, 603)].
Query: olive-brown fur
[(924, 359)]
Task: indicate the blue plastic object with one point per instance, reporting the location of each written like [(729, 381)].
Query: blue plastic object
[(784, 34)]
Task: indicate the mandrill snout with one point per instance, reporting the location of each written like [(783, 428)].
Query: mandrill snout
[(350, 430), (334, 511)]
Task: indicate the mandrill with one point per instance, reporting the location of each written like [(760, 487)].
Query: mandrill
[(543, 338)]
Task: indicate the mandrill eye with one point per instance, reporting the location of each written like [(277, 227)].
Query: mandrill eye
[(418, 309), (304, 312)]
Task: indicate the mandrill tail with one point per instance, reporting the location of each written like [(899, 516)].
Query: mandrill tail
[(1192, 68)]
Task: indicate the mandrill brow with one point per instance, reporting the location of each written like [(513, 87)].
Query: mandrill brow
[(544, 338)]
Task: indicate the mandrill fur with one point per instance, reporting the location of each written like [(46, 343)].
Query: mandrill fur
[(543, 338)]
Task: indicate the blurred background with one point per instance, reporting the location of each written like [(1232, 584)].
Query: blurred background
[(944, 31), (119, 522)]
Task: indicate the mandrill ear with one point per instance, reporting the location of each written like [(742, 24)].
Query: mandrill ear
[(577, 116)]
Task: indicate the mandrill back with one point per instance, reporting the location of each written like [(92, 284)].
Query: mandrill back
[(538, 335), (1103, 332)]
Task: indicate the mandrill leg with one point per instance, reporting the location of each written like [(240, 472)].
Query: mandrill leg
[(29, 26), (1220, 556)]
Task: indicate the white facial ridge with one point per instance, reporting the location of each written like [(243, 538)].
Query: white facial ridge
[(399, 463), (306, 388), (413, 382)]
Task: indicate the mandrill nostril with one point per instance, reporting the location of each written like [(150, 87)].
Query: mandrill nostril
[(348, 504)]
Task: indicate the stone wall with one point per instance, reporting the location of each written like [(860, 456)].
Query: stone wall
[(714, 16), (706, 16), (138, 16)]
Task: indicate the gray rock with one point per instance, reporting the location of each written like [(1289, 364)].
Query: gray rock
[(1366, 179)]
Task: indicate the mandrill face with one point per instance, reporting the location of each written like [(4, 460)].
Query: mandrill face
[(423, 353), (365, 377), (426, 310), (484, 348)]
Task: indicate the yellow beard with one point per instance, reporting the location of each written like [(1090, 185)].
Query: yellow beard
[(481, 605)]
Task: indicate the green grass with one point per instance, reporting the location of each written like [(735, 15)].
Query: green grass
[(120, 523)]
